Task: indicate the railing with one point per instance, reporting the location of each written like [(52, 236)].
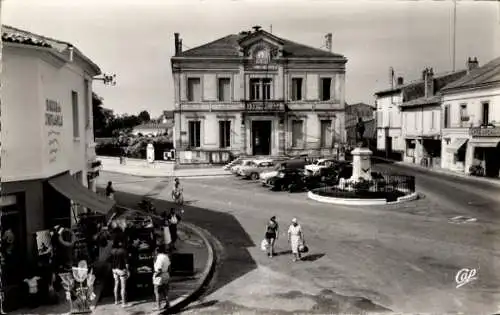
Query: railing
[(484, 132), (266, 106), (382, 186)]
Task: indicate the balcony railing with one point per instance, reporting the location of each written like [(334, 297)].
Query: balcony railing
[(484, 132), (265, 106)]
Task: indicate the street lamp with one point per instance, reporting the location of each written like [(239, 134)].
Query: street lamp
[(107, 79)]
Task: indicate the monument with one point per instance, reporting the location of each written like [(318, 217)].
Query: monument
[(361, 156), (150, 153)]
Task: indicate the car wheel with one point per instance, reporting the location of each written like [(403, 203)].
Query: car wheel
[(254, 176)]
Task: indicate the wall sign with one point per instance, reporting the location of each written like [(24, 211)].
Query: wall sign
[(54, 120)]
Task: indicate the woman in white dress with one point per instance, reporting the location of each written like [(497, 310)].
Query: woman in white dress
[(296, 238)]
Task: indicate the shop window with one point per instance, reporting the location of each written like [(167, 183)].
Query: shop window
[(194, 90), (13, 239), (410, 148), (224, 134), (326, 85), (326, 133), (297, 133), (194, 134), (296, 89), (464, 118), (76, 121), (224, 90)]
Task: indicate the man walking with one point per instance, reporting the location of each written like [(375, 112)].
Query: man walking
[(161, 276), (178, 195)]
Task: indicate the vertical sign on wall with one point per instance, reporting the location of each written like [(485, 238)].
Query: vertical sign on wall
[(53, 120)]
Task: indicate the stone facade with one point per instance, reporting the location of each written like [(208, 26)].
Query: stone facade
[(257, 94)]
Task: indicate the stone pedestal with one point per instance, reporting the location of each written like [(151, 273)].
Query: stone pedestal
[(361, 164)]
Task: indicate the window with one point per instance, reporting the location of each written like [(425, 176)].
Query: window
[(76, 122), (224, 134), (224, 89), (464, 118), (194, 90), (296, 89), (254, 89), (260, 89), (194, 134), (486, 113), (326, 84), (410, 148), (447, 116), (297, 134), (86, 92), (326, 132)]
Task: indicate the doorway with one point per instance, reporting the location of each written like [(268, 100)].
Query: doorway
[(261, 137)]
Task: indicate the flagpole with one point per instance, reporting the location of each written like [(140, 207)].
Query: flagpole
[(454, 33)]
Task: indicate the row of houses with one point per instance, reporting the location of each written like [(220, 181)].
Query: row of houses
[(448, 120)]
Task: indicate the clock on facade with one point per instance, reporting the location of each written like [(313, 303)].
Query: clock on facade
[(262, 56)]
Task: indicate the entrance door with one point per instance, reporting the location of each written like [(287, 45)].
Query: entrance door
[(388, 146), (261, 137)]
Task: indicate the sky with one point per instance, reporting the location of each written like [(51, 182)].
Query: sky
[(135, 39)]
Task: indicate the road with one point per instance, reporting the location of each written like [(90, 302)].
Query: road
[(398, 258)]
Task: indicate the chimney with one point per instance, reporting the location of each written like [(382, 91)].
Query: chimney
[(328, 42), (472, 64), (71, 53), (256, 28), (400, 81), (176, 41), (180, 45), (429, 82)]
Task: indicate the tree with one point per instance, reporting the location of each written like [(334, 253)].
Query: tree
[(102, 116), (144, 116)]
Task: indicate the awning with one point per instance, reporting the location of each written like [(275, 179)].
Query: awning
[(485, 142), (73, 190), (456, 145)]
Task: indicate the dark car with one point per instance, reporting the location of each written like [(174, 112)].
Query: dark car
[(287, 179), (295, 163), (327, 176)]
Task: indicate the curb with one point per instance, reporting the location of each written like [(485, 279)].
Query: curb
[(206, 275), (438, 171), (360, 202), (166, 176)]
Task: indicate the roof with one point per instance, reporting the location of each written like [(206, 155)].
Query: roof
[(153, 126), (15, 35), (417, 86), (485, 75), (423, 101), (229, 46)]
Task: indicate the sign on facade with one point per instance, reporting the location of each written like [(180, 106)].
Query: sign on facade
[(53, 120), (485, 132), (264, 107)]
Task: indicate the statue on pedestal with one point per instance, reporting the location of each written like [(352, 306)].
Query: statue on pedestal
[(360, 131)]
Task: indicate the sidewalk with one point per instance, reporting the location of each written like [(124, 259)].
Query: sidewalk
[(157, 169), (492, 181), (182, 289)]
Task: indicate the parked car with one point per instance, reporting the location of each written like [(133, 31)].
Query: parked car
[(254, 169), (326, 176), (236, 168), (287, 179), (314, 168), (234, 162)]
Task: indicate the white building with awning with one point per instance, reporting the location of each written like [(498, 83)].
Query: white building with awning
[(471, 121)]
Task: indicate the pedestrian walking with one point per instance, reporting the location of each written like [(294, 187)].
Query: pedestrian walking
[(173, 220), (272, 233), (295, 238), (178, 195), (120, 269), (161, 276), (110, 192)]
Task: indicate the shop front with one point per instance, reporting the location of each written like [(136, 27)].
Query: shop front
[(45, 231)]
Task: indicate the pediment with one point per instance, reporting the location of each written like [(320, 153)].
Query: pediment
[(260, 46)]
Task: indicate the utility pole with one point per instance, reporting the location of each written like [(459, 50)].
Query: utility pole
[(271, 29), (454, 33)]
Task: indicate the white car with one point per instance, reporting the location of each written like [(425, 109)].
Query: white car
[(236, 169), (317, 165), (228, 166)]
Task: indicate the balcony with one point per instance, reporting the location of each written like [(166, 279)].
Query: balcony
[(265, 106), (484, 132)]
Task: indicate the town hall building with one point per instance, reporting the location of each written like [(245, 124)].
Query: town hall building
[(257, 94)]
